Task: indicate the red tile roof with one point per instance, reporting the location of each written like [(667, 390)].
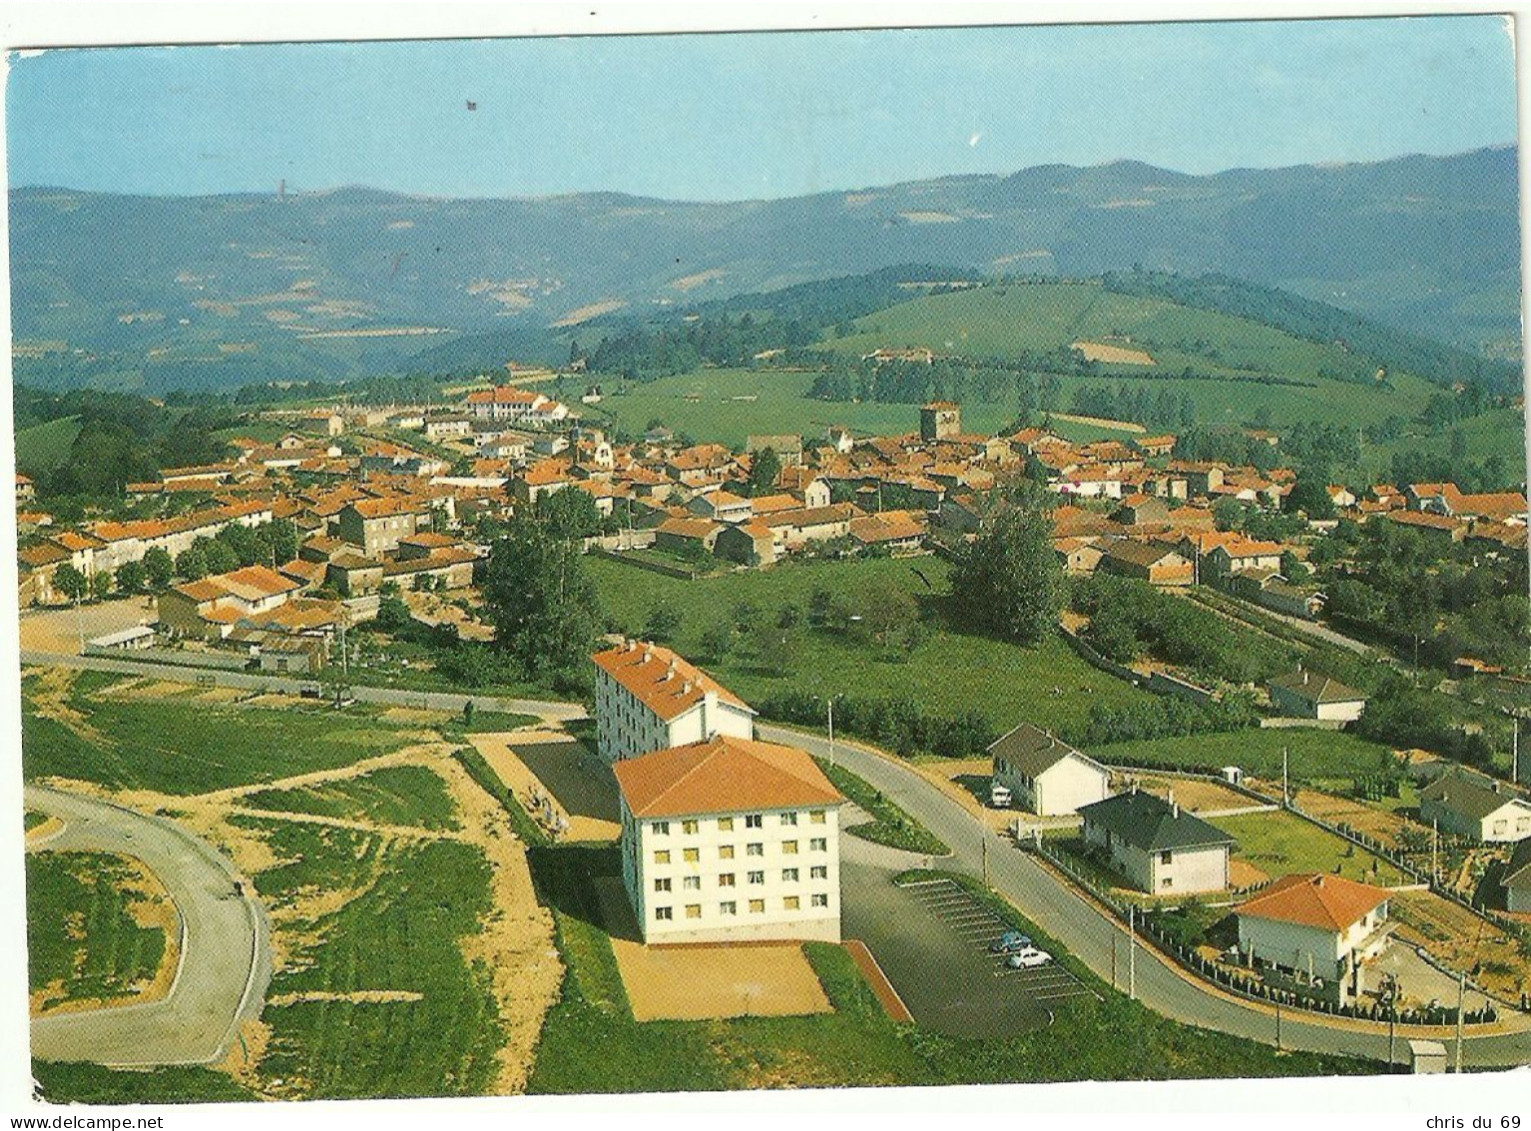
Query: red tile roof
[(1331, 903), (661, 680), (723, 775)]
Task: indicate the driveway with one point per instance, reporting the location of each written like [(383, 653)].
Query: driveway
[(1091, 935), (225, 961)]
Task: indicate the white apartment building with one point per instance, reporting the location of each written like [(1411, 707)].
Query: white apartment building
[(730, 840), (648, 698)]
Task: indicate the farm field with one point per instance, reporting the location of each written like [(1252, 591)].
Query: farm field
[(46, 445), (96, 929), (1278, 843), (1311, 754), (947, 673), (857, 1044), (1499, 431)]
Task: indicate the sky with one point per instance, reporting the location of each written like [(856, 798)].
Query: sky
[(746, 116)]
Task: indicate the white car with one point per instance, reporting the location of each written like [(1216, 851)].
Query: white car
[(1031, 956)]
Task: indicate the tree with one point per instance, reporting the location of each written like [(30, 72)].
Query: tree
[(1310, 494), (764, 472), (1009, 581), (159, 567), (663, 623), (131, 577), (282, 536), (70, 582), (220, 557), (717, 641), (570, 513), (543, 607), (101, 585), (191, 564)]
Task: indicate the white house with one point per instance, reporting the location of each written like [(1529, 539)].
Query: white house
[(1045, 776), (1156, 845), (730, 840), (1477, 807), (648, 698), (1312, 695), (1316, 927), (1517, 879)]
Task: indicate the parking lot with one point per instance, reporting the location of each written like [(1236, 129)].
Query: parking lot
[(931, 938)]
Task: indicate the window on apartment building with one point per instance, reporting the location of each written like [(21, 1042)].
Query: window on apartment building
[(725, 879), (662, 856), (689, 827), (725, 852), (691, 855), (663, 913), (756, 849), (693, 911), (789, 875), (820, 900), (791, 903), (691, 883), (789, 818), (754, 821), (756, 877), (818, 844), (660, 828), (728, 907), (662, 885), (789, 848), (725, 824), (757, 906), (819, 872), (1166, 857), (817, 817)]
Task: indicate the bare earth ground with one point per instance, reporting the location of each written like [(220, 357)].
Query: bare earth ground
[(551, 764), (1193, 795), (1462, 941), (59, 630), (1114, 355), (966, 781), (1243, 874), (702, 983), (1372, 820)]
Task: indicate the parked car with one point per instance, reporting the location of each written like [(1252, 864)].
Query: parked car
[(1009, 943), (1031, 956)]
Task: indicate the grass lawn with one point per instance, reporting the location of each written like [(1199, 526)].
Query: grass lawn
[(1278, 843), (61, 1082), (889, 825), (394, 795), (487, 722), (948, 673), (188, 748), (82, 942), (31, 819), (1311, 754), (590, 1042), (411, 905)]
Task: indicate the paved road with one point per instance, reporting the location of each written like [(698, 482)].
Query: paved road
[(250, 681), (1091, 934), (225, 962)]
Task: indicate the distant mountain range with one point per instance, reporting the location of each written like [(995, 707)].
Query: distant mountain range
[(218, 290)]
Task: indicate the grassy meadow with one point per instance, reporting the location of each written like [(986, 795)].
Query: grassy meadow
[(1312, 755)]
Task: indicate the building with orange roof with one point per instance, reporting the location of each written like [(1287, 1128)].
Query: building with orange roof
[(1316, 928), (649, 698), (378, 525), (211, 606), (730, 840)]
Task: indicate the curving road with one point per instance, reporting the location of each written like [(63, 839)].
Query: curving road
[(1094, 936), (225, 961)]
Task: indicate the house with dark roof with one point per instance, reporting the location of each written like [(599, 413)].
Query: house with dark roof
[(1046, 776), (1480, 808), (730, 840), (1517, 879), (649, 698), (1157, 846), (1152, 562), (1317, 929), (1305, 694)]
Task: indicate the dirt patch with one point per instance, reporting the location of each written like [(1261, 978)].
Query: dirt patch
[(1461, 940), (1376, 822), (558, 779), (38, 833), (516, 941), (966, 781), (360, 996), (1243, 874), (50, 700), (1196, 796), (1113, 355), (242, 1061), (414, 715), (703, 983)]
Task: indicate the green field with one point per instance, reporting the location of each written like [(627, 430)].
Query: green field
[(703, 405), (46, 446), (82, 942), (32, 818), (1311, 754), (1499, 431), (590, 1042), (948, 673), (188, 748), (91, 1084), (1281, 843), (411, 905), (889, 825), (394, 795)]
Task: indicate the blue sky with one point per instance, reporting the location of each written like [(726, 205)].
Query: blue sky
[(744, 116)]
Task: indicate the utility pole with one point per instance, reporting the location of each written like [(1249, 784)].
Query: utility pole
[(1461, 994), (1113, 960), (983, 847), (831, 730), (1285, 796), (1132, 952), (1435, 837), (1278, 1024)]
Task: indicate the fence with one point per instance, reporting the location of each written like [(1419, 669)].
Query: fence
[(644, 563), (225, 661), (1079, 645)]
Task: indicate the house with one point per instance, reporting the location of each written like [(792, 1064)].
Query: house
[(1304, 694), (212, 606), (1516, 880), (730, 840), (649, 698), (1156, 845), (1315, 928), (895, 531), (678, 534), (1079, 556), (1470, 805), (376, 526), (352, 575), (940, 420), (1142, 510), (1238, 554), (721, 506), (291, 654), (1434, 526), (1045, 776), (449, 427), (1147, 561), (748, 543), (1154, 445), (788, 449)]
